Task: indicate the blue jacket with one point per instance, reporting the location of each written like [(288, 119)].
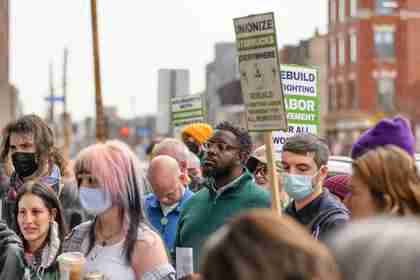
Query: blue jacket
[(166, 227)]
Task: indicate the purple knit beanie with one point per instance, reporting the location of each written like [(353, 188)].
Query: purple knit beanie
[(395, 131), (338, 185)]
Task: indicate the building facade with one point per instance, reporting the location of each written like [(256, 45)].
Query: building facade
[(373, 58), (311, 52), (8, 93), (171, 83)]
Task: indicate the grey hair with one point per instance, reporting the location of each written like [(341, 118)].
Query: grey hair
[(173, 148), (381, 248)]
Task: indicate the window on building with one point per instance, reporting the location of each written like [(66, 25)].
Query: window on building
[(332, 101), (333, 11), (352, 95), (386, 93), (341, 10), (384, 40), (333, 53), (385, 7), (340, 97), (341, 50), (353, 8), (353, 47)]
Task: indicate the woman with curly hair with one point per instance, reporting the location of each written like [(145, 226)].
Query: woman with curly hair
[(28, 145)]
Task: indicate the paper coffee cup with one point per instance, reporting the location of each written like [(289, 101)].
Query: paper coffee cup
[(71, 265)]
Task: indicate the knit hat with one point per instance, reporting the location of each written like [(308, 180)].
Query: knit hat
[(395, 131), (199, 131), (338, 185)]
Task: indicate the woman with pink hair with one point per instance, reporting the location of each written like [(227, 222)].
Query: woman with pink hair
[(117, 242)]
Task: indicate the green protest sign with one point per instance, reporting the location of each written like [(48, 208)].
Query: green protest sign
[(302, 100), (186, 110)]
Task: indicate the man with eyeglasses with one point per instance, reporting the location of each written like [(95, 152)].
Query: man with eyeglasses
[(229, 189), (257, 165), (163, 206), (304, 160)]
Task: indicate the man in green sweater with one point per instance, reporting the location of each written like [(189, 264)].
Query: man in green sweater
[(229, 189)]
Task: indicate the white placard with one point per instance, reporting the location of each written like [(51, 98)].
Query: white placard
[(259, 72), (184, 262)]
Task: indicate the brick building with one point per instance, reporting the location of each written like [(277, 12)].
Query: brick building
[(312, 52), (373, 65)]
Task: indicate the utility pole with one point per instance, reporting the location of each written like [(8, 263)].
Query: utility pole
[(51, 80), (101, 133), (66, 115)]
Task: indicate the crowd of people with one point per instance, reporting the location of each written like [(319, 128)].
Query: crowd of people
[(209, 192)]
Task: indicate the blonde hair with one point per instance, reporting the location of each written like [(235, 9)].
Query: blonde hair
[(391, 176)]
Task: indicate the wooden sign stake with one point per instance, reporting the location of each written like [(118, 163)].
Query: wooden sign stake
[(272, 173)]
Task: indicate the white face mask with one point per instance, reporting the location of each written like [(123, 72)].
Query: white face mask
[(94, 200), (298, 186)]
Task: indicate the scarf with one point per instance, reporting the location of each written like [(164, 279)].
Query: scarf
[(45, 257), (52, 180)]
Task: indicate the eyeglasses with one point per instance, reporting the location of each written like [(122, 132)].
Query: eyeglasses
[(220, 146), (261, 169)]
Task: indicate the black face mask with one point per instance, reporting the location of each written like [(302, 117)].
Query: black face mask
[(25, 164)]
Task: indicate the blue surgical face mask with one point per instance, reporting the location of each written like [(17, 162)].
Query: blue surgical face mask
[(94, 200), (298, 186)]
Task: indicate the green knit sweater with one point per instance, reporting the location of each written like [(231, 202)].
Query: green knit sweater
[(206, 212)]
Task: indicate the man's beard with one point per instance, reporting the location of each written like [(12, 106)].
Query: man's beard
[(218, 172)]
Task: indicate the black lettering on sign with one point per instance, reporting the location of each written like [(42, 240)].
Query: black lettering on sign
[(257, 26)]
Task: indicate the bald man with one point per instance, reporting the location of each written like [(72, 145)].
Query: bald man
[(169, 195)]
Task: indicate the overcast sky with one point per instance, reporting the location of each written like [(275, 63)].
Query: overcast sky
[(137, 39)]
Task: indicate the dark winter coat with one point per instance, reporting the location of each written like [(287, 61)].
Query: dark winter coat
[(322, 215)]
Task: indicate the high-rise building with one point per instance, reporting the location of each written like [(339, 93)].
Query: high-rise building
[(222, 70), (171, 83), (373, 71)]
